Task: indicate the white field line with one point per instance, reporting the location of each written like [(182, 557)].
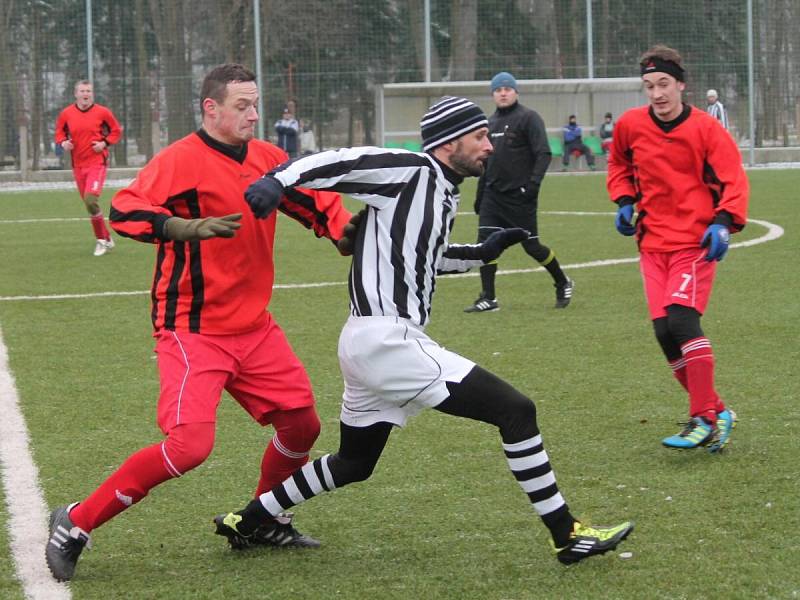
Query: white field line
[(27, 514), (27, 522), (773, 233)]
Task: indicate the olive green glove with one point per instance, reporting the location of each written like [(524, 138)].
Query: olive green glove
[(189, 230)]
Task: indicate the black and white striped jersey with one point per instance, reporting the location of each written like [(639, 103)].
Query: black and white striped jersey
[(412, 200), (717, 110)]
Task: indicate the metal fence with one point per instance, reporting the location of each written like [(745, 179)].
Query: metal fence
[(326, 57)]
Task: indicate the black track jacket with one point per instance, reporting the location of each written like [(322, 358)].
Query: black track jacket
[(521, 151)]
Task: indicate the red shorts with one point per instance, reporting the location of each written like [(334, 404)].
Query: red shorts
[(682, 277), (90, 180), (259, 369)]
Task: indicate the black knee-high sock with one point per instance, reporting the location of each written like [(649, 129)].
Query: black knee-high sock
[(487, 280), (485, 397)]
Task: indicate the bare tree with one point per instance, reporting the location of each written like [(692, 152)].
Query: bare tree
[(168, 22), (463, 40), (8, 92)]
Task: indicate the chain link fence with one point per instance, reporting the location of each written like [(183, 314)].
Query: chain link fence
[(326, 57)]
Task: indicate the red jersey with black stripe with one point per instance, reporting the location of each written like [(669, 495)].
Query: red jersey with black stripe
[(220, 285), (682, 174), (95, 124)]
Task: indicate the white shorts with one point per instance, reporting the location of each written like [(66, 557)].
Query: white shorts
[(392, 370)]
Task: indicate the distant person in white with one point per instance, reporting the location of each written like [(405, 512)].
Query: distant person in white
[(715, 108)]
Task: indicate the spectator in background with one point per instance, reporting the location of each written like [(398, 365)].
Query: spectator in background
[(308, 142), (716, 109), (86, 130), (573, 142), (288, 130), (606, 132)]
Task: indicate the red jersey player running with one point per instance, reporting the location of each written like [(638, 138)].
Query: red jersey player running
[(210, 294), (685, 173), (87, 130)]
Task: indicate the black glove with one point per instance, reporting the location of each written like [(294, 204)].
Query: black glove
[(496, 243), (531, 192), (477, 205), (189, 230), (264, 195), (347, 243)]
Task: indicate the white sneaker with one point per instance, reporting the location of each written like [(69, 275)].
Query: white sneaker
[(100, 248), (109, 244)]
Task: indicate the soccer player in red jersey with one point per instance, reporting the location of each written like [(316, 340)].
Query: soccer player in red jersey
[(211, 288), (87, 130), (683, 172)]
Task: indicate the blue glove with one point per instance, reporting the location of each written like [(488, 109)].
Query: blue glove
[(716, 239), (264, 195), (493, 246), (623, 220)]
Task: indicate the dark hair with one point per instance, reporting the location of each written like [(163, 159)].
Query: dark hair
[(609, 115), (664, 53), (215, 83)]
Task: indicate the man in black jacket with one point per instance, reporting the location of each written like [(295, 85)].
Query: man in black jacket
[(508, 191)]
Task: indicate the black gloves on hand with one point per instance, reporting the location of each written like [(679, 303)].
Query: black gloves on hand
[(477, 206), (189, 230), (531, 192), (264, 195), (496, 243), (347, 243)]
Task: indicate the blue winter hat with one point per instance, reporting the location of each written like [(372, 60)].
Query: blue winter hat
[(503, 79)]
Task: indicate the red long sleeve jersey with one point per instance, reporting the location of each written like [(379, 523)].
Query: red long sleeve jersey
[(682, 175), (96, 123), (220, 285)]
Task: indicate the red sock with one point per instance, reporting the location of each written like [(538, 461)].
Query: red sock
[(127, 485), (99, 226), (678, 367), (703, 398), (295, 433)]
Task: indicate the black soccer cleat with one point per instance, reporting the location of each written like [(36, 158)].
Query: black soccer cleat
[(564, 293), (65, 544), (278, 533), (587, 541), (483, 304)]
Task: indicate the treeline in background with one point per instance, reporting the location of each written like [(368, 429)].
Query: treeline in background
[(327, 56)]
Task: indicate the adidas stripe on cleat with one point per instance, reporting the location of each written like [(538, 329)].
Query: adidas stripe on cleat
[(278, 533), (697, 432), (588, 541), (726, 422), (564, 293), (483, 304), (65, 544)]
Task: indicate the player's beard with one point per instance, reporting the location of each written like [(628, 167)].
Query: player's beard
[(464, 166)]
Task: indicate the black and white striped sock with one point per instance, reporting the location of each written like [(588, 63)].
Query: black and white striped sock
[(530, 465), (310, 480)]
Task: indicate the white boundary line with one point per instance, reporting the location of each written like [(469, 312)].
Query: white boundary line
[(27, 523), (773, 233), (27, 512)]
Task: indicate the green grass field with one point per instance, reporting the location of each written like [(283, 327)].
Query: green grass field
[(441, 518)]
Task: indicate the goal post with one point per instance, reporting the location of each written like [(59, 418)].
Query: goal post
[(400, 106)]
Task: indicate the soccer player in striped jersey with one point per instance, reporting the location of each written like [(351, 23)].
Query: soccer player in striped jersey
[(87, 129), (684, 173), (211, 289), (392, 370)]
